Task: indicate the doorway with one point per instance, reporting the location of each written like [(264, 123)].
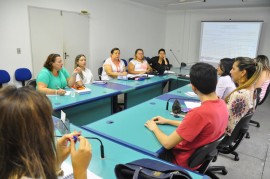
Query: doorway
[(57, 31)]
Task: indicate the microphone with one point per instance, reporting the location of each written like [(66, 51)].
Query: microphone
[(184, 110), (182, 64), (102, 155), (167, 104), (185, 99)]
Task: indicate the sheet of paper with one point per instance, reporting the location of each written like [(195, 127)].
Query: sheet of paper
[(138, 75), (99, 82), (168, 72), (192, 105), (191, 94), (66, 94), (68, 172), (83, 91), (63, 116)]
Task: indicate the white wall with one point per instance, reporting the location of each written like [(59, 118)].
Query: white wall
[(183, 29), (120, 23), (113, 23)]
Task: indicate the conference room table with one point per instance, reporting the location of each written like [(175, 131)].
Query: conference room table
[(127, 127), (135, 91), (85, 108), (114, 154), (180, 77)]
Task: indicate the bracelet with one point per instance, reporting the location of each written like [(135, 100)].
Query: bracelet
[(60, 172)]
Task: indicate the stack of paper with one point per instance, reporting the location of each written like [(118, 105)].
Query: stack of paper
[(168, 72), (191, 94), (82, 90), (99, 82)]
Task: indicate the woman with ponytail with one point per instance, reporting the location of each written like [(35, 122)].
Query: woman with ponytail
[(264, 79), (242, 100)]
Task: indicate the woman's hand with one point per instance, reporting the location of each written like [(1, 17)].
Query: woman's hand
[(165, 60), (61, 92), (123, 74), (62, 148), (77, 70), (81, 157)]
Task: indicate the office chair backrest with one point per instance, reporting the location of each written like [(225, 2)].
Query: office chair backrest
[(125, 62), (204, 155), (239, 131), (130, 59), (147, 59), (266, 94), (100, 69), (4, 77), (257, 92), (32, 83), (23, 74)]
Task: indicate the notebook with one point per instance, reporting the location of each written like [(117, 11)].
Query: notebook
[(68, 172)]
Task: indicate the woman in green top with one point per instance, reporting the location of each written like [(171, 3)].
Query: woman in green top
[(53, 78)]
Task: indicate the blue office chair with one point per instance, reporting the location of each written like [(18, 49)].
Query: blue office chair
[(125, 62), (100, 69), (130, 59), (4, 77), (23, 74), (147, 59), (32, 83)]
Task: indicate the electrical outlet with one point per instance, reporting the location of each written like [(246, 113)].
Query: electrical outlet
[(18, 50)]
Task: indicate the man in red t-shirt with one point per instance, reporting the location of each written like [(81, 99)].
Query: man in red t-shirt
[(201, 125)]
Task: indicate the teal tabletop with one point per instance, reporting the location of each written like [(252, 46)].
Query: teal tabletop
[(185, 92), (97, 92), (134, 84), (127, 127), (114, 154)]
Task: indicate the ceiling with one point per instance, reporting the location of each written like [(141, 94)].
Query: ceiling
[(175, 5)]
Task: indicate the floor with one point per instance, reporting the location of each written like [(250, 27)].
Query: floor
[(254, 153)]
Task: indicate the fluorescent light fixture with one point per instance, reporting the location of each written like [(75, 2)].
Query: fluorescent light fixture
[(187, 2)]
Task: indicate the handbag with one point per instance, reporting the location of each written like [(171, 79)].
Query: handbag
[(149, 169)]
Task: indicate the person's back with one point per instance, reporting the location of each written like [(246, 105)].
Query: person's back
[(242, 100), (200, 126), (264, 79)]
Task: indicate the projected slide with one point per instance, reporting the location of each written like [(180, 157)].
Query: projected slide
[(229, 39)]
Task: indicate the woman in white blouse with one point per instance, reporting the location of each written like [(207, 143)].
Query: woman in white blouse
[(85, 76), (139, 65), (225, 83), (113, 66)]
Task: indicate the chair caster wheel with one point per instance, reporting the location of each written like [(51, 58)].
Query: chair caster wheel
[(236, 158), (258, 125), (224, 172)]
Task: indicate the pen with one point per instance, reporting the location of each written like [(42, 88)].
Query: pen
[(58, 87)]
